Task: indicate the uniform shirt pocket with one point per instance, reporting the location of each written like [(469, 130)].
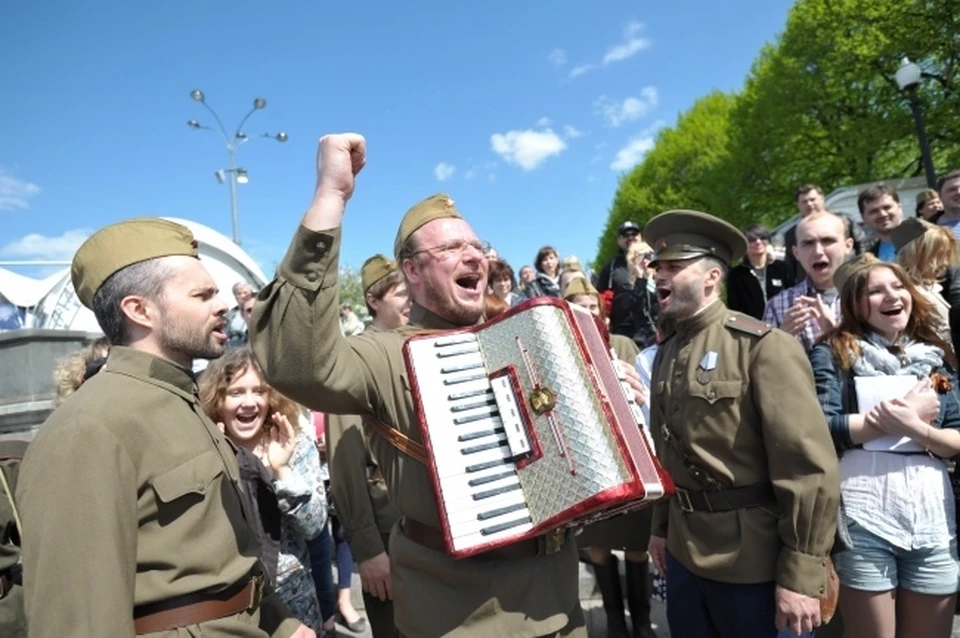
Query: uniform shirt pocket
[(717, 390), (189, 481)]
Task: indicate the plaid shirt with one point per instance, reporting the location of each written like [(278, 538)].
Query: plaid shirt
[(777, 308)]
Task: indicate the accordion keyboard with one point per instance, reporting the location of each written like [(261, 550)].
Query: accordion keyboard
[(475, 437)]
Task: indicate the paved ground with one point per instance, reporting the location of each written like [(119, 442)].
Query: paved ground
[(590, 598)]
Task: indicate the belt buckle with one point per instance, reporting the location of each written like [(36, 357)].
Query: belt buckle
[(683, 500), (551, 542), (257, 594)]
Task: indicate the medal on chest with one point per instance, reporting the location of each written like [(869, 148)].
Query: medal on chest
[(707, 365)]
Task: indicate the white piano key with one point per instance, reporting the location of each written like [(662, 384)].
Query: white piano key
[(459, 494), (452, 464), (475, 540), (464, 510)]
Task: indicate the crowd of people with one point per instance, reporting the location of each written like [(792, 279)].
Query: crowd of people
[(806, 406)]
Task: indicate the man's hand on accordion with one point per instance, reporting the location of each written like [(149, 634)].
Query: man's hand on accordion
[(633, 379), (375, 576)]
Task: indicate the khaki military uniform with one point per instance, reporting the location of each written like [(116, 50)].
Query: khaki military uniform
[(129, 496), (296, 337), (363, 504), (13, 621), (745, 415)]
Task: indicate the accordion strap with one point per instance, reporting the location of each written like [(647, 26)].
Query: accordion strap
[(399, 440)]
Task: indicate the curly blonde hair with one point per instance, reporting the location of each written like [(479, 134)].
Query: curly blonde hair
[(217, 377), (926, 258)]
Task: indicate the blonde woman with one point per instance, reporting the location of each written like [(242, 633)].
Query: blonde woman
[(635, 308), (928, 253), (280, 470)]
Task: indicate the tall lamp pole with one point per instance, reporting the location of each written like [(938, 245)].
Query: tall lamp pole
[(908, 79), (235, 174)]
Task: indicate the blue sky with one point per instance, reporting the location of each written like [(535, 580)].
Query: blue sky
[(525, 111)]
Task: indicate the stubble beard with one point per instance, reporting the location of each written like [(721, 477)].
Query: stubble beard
[(189, 342)]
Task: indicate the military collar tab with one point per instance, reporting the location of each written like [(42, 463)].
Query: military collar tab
[(152, 368)]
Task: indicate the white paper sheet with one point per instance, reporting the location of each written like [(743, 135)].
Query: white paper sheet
[(873, 390)]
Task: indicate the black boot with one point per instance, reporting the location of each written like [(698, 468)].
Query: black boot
[(608, 580), (638, 599)]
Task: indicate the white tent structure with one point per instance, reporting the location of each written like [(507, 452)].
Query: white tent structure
[(51, 303)]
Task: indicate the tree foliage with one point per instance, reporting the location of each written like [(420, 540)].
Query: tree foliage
[(819, 105)]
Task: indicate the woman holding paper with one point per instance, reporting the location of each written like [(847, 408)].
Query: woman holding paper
[(888, 386)]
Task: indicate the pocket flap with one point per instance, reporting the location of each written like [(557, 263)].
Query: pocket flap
[(717, 390), (192, 477)]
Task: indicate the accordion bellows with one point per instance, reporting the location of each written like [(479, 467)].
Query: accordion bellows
[(528, 427)]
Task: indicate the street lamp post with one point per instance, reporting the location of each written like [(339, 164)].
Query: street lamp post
[(235, 174), (908, 79)]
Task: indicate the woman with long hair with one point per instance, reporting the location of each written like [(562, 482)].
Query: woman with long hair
[(899, 573), (280, 470), (546, 283)]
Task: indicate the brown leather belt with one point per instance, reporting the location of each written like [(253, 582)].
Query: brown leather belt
[(202, 608), (432, 538)]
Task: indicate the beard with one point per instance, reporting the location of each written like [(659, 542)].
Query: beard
[(684, 301), (449, 310), (191, 342)]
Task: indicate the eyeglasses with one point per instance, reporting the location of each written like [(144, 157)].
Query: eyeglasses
[(630, 234), (753, 238), (648, 256), (458, 247)]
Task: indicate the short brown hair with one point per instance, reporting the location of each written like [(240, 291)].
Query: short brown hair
[(874, 193), (806, 188), (500, 269), (954, 174), (542, 254), (217, 377)]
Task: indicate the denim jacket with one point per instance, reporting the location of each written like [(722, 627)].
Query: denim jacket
[(838, 396)]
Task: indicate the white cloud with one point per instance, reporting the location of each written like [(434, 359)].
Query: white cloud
[(572, 132), (444, 171), (582, 69), (43, 248), (469, 174), (632, 108), (15, 193), (543, 122), (527, 149), (557, 57), (631, 45), (631, 154)]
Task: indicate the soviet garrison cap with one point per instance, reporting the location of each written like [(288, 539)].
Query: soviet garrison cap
[(685, 234), (579, 286), (908, 230), (850, 268), (375, 269), (120, 245), (434, 207)]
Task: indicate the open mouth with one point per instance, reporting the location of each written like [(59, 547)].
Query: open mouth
[(220, 330), (892, 312), (247, 419), (663, 294), (470, 283), (821, 265)]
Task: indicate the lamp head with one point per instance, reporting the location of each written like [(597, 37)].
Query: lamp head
[(242, 177), (193, 124), (281, 137), (197, 95), (259, 103), (908, 75)]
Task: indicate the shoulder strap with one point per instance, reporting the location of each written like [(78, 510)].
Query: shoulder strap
[(10, 499), (745, 323), (398, 439)]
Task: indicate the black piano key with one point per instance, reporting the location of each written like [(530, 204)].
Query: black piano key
[(471, 406), (483, 480), (446, 354), (471, 377), (479, 467), (461, 368), (479, 496), (460, 420), (500, 511), (457, 396), (454, 341), (493, 529), (473, 449), (463, 438)]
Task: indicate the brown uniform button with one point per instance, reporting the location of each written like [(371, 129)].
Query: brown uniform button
[(823, 589), (321, 245), (312, 276), (712, 394), (201, 487)]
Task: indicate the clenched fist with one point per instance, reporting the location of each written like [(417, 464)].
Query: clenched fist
[(340, 157)]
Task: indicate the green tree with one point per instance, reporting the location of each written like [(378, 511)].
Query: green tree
[(821, 105), (351, 290), (677, 172)]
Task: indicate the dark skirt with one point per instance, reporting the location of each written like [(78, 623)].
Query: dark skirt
[(630, 532)]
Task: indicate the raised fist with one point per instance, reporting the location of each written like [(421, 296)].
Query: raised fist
[(339, 158)]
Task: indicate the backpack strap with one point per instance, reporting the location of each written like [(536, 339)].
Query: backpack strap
[(398, 439)]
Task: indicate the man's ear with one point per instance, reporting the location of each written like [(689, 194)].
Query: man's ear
[(411, 270), (141, 311), (373, 302)]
